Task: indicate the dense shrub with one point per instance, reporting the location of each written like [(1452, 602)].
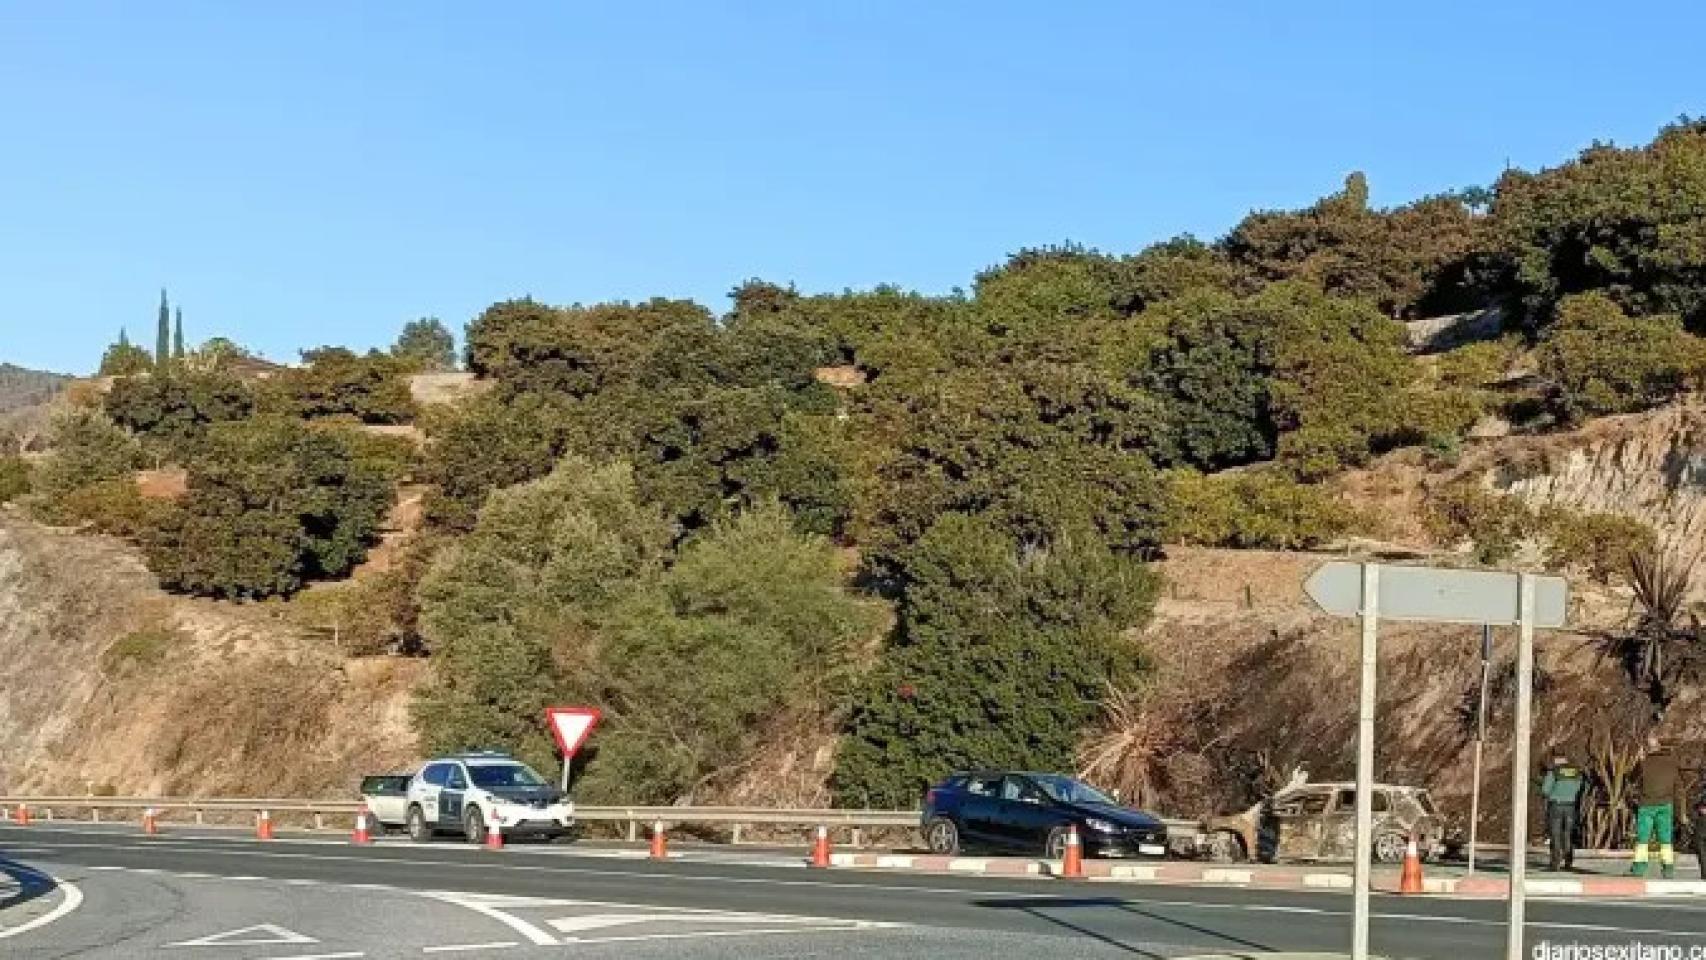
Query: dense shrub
[(1260, 510), (87, 447), (1494, 524), (1000, 659), (14, 477), (1599, 544), (1600, 360), (177, 406), (272, 503), (336, 382)]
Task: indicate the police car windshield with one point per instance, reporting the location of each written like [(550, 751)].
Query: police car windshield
[(490, 775)]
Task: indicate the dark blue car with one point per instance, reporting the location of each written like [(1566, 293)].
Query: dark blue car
[(1030, 813)]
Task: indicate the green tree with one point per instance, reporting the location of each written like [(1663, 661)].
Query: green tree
[(124, 359), (272, 503), (163, 333), (87, 448), (338, 382), (426, 344), (14, 477), (1624, 222), (178, 334), (177, 405), (512, 611), (999, 661), (1600, 360)]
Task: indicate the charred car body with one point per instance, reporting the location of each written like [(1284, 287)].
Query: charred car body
[(1317, 821)]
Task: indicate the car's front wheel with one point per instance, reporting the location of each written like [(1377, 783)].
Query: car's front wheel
[(419, 832), (474, 825), (1054, 848), (942, 836)]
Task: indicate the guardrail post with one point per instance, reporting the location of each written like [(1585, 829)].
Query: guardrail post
[(94, 814), (633, 830), (199, 819), (319, 821), (858, 838), (736, 837)]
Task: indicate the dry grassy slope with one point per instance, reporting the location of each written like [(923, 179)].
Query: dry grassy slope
[(220, 701)]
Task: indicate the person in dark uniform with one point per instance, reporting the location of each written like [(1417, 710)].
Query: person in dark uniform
[(1562, 789)]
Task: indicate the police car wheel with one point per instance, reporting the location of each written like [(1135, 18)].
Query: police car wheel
[(419, 832), (474, 825)]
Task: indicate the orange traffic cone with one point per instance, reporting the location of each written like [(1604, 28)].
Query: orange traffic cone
[(1410, 881), (148, 825), (660, 843), (820, 848), (263, 826), (361, 835), (1072, 864), (23, 815), (494, 833)]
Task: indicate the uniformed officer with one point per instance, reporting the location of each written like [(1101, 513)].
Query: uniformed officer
[(1562, 789)]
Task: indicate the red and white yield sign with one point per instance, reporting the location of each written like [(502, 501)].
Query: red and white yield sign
[(570, 725)]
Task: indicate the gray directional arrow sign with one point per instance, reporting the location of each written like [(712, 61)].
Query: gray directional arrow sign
[(1436, 594)]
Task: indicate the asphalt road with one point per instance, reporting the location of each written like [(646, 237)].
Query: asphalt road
[(181, 895)]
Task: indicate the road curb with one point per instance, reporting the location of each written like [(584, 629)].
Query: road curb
[(1263, 878)]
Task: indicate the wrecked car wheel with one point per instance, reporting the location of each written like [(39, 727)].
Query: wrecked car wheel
[(1390, 847), (1225, 847)]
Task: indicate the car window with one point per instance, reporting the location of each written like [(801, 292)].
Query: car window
[(1068, 790), (1347, 802), (983, 786), (1312, 803), (490, 775), (435, 774), (1020, 789), (456, 781)]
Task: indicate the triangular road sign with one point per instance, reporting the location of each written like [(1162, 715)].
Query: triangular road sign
[(571, 725), (261, 934)]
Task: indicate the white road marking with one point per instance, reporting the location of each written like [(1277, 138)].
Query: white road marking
[(706, 934), (465, 947), (528, 930), (240, 937), (70, 898), (349, 955), (887, 888)]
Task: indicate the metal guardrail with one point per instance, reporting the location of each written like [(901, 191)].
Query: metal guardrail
[(634, 817)]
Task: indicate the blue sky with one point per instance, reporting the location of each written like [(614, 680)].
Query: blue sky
[(304, 173)]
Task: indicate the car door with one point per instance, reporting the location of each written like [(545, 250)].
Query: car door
[(1028, 812), (1299, 818), (980, 809), (1339, 825), (430, 785), (451, 797)]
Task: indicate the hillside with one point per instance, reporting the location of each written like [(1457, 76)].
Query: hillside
[(20, 387), (1250, 679), (111, 684)]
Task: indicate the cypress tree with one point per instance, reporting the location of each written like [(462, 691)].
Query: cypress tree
[(123, 337), (163, 335), (178, 333)]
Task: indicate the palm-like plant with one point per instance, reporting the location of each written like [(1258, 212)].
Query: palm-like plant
[(1663, 650)]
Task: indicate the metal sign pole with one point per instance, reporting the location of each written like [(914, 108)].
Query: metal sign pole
[(1365, 759), (1519, 766), (1480, 738)]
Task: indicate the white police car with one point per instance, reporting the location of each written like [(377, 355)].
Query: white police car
[(466, 792)]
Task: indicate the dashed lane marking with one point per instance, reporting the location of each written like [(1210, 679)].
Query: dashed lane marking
[(470, 947)]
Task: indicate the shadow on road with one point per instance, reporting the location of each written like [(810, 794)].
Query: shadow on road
[(1043, 909)]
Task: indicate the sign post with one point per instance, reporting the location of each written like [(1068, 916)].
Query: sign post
[(1480, 738), (571, 726), (1371, 591)]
